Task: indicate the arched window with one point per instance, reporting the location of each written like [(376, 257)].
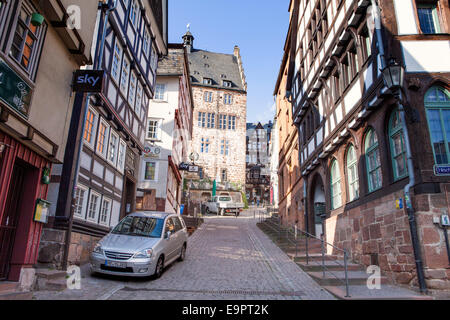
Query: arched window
[(437, 105), (373, 161), (336, 198), (352, 174), (397, 144)]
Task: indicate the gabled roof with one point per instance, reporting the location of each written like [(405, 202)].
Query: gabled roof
[(218, 67)]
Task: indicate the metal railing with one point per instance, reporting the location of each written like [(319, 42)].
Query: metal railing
[(295, 235)]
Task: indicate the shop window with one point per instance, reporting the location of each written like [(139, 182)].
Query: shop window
[(397, 146), (373, 162), (437, 105)]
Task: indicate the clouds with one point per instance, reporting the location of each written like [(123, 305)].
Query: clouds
[(263, 115)]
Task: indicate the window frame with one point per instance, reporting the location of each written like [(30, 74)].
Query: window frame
[(123, 87), (134, 8), (438, 106), (157, 129), (392, 132), (106, 137), (112, 133), (38, 38), (435, 14), (158, 96), (155, 171), (121, 156), (94, 127), (336, 182), (369, 149), (83, 212), (97, 211), (353, 164), (108, 214), (116, 78), (139, 98)]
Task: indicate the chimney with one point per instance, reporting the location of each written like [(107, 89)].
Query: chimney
[(237, 51)]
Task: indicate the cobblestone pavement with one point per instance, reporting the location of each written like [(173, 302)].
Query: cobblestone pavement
[(227, 258)]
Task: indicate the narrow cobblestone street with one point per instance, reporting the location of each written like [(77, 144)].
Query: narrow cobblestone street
[(228, 258)]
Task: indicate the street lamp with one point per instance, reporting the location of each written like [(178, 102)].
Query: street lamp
[(393, 75)]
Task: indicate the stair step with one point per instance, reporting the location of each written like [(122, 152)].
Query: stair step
[(25, 295), (337, 278), (50, 274), (386, 292), (313, 256), (333, 265), (8, 287)]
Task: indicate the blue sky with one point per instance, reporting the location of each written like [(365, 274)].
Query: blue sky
[(258, 27)]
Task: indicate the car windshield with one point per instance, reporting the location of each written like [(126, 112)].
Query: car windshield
[(224, 199), (140, 226)]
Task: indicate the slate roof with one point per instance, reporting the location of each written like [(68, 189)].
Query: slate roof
[(172, 64), (215, 66)]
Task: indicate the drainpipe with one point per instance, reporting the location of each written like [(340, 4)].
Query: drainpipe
[(411, 175), (408, 204), (111, 6)]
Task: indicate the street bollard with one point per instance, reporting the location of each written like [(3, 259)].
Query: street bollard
[(306, 247)]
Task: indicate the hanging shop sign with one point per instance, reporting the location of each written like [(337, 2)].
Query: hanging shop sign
[(441, 170), (188, 167), (41, 211), (152, 152), (88, 81), (14, 91)]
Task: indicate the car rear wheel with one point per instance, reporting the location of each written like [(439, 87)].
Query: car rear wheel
[(207, 211), (183, 253), (159, 267)]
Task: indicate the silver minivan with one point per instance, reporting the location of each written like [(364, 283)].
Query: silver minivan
[(141, 245)]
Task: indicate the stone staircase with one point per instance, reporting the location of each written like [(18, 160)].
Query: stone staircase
[(50, 280), (329, 271)]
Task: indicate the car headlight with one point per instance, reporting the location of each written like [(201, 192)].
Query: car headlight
[(147, 253), (98, 249)]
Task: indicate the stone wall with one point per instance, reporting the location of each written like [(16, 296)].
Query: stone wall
[(213, 162), (376, 233), (81, 246)]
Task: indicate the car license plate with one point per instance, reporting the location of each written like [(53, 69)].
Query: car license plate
[(115, 264)]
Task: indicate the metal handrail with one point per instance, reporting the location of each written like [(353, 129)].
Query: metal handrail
[(308, 235)]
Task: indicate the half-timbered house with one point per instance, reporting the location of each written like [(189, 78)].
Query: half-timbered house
[(38, 54), (351, 144), (114, 130)]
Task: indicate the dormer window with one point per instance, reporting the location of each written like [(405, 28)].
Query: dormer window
[(207, 81), (227, 84)]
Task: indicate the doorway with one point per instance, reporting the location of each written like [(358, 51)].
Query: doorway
[(9, 222), (129, 205), (317, 212)]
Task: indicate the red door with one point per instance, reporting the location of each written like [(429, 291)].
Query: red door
[(8, 224)]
